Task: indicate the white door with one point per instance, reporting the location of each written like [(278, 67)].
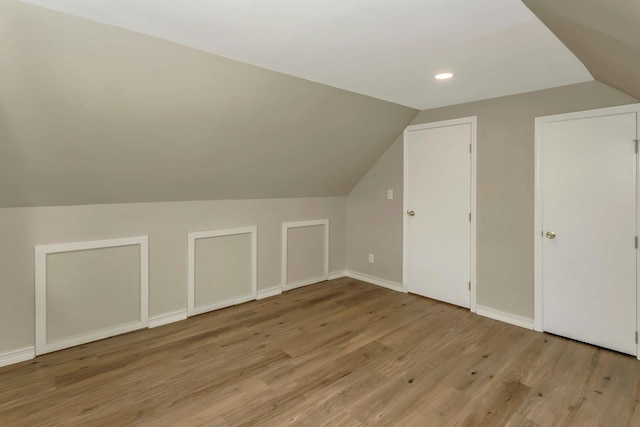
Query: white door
[(438, 227), (588, 185)]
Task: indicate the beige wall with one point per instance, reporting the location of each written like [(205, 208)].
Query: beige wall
[(222, 269), (167, 225), (375, 222), (92, 290), (305, 253), (92, 114), (505, 188)]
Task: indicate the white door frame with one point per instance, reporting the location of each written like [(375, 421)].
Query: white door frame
[(537, 238), (405, 204)]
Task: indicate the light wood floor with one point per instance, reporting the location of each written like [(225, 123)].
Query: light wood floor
[(341, 353)]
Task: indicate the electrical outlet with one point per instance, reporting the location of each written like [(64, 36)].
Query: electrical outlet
[(390, 194), (371, 258)]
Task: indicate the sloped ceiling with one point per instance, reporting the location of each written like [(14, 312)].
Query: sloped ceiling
[(389, 50), (603, 34), (91, 113)]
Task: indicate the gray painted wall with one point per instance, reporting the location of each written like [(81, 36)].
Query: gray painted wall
[(305, 253), (505, 189), (222, 269), (95, 114), (92, 290), (374, 223), (167, 225)]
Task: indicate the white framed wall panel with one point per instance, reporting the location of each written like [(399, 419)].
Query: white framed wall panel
[(46, 308), (286, 226), (197, 305)]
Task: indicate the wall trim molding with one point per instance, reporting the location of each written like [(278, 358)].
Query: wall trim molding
[(394, 286), (41, 251), (270, 292), (17, 356), (337, 274), (502, 316), (221, 304), (277, 290), (305, 282), (165, 319), (285, 230), (192, 310)]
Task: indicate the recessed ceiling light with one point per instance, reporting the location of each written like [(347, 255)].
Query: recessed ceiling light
[(444, 76)]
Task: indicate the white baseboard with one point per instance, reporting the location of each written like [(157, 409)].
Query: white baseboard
[(376, 281), (305, 282), (337, 274), (491, 313), (222, 304), (513, 319), (271, 292), (165, 319), (17, 356), (277, 290)]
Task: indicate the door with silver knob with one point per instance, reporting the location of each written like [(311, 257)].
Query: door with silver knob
[(438, 256), (588, 186)]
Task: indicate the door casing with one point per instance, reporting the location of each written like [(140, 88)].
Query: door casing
[(472, 121), (538, 220)]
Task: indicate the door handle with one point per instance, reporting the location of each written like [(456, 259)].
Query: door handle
[(550, 235), (411, 213)]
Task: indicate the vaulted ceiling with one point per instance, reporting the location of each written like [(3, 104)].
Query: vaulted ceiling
[(603, 34), (91, 113), (114, 101), (389, 50)]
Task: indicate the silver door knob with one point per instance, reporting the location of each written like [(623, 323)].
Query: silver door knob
[(550, 235), (411, 213)]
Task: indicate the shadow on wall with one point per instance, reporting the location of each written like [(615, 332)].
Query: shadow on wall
[(16, 234), (14, 165), (17, 295)]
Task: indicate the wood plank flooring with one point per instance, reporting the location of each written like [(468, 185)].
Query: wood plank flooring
[(340, 353)]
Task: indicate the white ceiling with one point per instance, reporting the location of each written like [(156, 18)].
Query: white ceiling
[(385, 49)]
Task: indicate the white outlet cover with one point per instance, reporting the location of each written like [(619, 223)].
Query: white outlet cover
[(390, 194)]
